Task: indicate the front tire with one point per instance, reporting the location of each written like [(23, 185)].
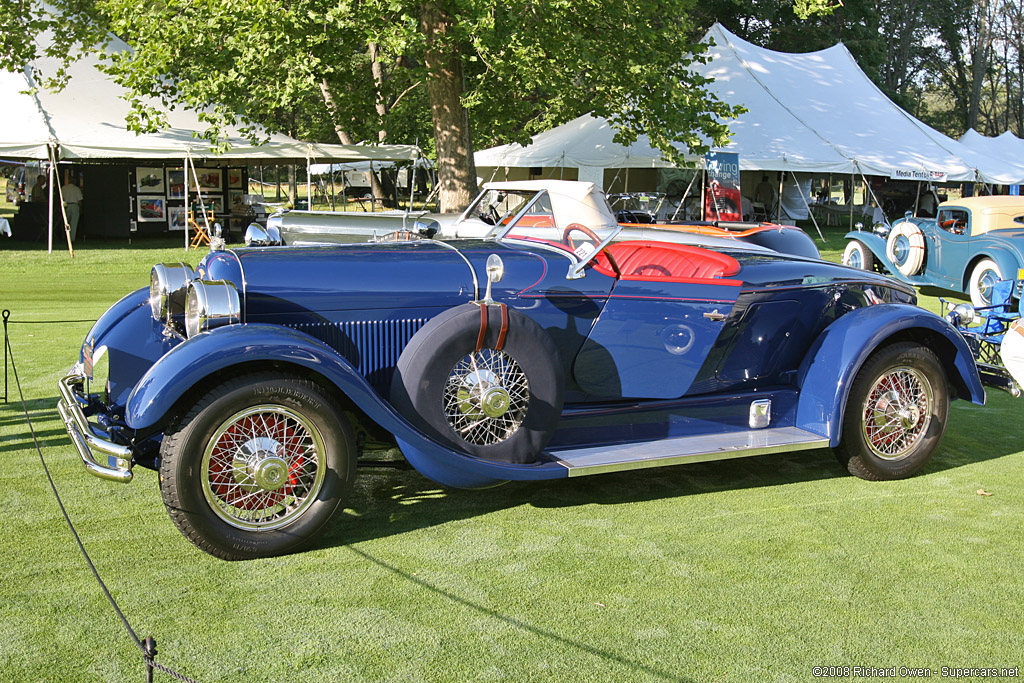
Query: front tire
[(857, 255), (985, 275), (896, 413), (257, 467)]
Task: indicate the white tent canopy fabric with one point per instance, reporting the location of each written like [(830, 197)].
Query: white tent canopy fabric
[(86, 120), (814, 112), (1007, 149)]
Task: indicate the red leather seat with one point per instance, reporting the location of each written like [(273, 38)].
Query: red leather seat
[(659, 261)]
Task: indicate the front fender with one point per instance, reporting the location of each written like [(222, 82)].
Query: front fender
[(133, 339), (877, 246), (829, 369), (194, 360)]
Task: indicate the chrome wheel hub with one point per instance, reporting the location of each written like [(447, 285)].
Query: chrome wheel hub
[(486, 397), (263, 468), (257, 465), (897, 413)]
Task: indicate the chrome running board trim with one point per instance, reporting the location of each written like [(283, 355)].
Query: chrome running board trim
[(703, 448)]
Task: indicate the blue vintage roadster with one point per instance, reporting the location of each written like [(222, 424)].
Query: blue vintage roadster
[(253, 383)]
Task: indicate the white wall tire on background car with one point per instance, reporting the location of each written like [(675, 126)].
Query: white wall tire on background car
[(905, 248), (857, 255), (984, 276), (896, 413), (257, 466)]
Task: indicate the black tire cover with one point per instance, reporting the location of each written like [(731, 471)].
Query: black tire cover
[(417, 389)]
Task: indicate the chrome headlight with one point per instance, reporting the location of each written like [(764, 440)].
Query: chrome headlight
[(962, 314), (258, 236), (210, 304), (167, 285)]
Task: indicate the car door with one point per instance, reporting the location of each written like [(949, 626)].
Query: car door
[(948, 247), (653, 336)]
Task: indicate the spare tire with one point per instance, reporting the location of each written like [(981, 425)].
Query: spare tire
[(492, 390), (905, 248)]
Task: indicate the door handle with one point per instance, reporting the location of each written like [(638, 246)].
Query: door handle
[(715, 316)]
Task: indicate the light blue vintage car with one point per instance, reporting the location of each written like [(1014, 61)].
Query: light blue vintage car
[(970, 245)]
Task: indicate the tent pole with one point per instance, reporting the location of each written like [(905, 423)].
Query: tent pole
[(53, 178), (309, 185), (809, 212), (917, 197), (853, 196), (184, 177)]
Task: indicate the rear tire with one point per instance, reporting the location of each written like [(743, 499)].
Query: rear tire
[(896, 413), (257, 467), (984, 276)]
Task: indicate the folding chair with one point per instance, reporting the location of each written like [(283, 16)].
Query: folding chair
[(201, 235)]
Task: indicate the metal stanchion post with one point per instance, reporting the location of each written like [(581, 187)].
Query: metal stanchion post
[(7, 316), (150, 650)]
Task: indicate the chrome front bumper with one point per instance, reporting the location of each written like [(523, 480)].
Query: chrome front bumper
[(118, 466)]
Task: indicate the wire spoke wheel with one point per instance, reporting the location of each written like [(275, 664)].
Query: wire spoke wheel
[(897, 412), (263, 467), (486, 397)]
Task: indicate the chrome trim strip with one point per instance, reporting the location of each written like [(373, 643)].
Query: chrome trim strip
[(83, 438), (241, 270), (636, 456)]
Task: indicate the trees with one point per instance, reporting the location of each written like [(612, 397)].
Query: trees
[(488, 71)]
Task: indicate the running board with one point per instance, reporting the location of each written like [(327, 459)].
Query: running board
[(635, 456)]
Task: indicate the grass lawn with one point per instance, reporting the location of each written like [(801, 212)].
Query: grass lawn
[(743, 570)]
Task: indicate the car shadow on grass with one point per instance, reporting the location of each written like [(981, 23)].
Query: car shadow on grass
[(49, 431)]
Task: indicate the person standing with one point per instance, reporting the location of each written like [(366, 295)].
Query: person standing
[(72, 195), (39, 189)]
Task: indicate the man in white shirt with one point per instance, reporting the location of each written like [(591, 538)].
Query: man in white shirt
[(72, 205)]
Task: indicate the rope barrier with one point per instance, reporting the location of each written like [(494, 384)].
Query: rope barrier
[(147, 647)]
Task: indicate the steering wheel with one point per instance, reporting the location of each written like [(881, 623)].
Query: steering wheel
[(489, 216), (593, 236)]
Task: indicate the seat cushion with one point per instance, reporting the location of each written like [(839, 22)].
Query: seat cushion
[(647, 260)]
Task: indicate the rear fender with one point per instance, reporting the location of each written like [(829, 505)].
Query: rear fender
[(1004, 258), (829, 369), (191, 362)]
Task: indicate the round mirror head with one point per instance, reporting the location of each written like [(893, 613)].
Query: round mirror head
[(495, 268)]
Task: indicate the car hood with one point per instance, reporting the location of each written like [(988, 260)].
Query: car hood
[(278, 281)]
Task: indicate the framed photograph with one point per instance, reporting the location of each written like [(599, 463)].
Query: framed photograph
[(234, 199), (149, 180), (209, 179), (176, 183), (176, 217), (235, 178), (214, 203), (152, 209)]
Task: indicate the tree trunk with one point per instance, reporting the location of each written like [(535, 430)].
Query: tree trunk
[(979, 63), (456, 172)]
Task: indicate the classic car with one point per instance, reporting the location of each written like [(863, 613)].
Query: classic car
[(254, 383), (566, 202), (970, 245)]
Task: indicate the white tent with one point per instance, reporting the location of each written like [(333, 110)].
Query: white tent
[(815, 112), (86, 120), (1007, 149)]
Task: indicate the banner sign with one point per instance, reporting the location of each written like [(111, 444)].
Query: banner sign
[(919, 174), (722, 200)]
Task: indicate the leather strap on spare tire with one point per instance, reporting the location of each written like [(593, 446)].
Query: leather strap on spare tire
[(483, 380)]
